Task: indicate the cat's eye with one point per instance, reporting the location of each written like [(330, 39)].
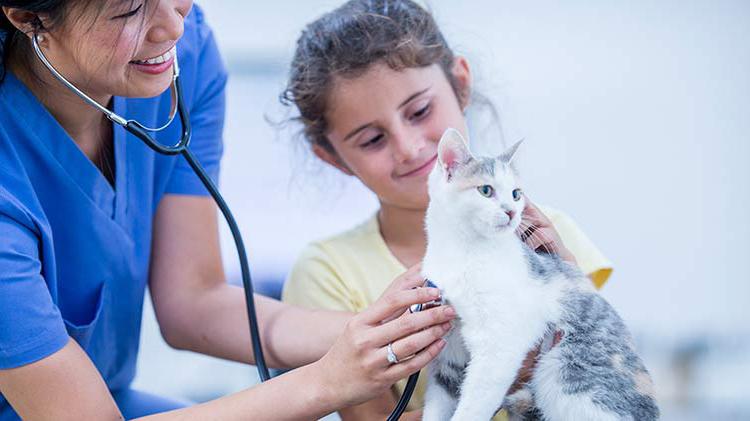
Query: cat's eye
[(517, 193), (486, 190)]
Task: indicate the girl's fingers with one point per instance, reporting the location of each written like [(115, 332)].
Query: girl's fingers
[(533, 215), (525, 232), (397, 302), (409, 324), (407, 347), (536, 240)]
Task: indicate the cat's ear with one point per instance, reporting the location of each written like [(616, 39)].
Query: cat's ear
[(452, 152), (507, 156)]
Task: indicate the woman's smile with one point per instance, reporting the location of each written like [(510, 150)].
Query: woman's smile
[(158, 64)]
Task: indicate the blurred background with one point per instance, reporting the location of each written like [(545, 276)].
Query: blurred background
[(636, 122)]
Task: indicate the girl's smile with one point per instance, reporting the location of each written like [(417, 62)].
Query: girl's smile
[(422, 170)]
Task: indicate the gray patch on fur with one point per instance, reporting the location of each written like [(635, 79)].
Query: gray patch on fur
[(520, 406), (481, 167), (451, 384), (450, 376), (546, 266), (594, 334)]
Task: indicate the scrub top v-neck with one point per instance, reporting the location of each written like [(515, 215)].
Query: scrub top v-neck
[(74, 249)]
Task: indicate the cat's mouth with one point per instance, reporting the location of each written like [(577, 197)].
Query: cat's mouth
[(505, 225)]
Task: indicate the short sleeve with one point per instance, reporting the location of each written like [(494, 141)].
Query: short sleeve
[(31, 327), (314, 283), (206, 117), (590, 259)]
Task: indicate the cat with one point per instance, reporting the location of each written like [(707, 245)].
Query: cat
[(510, 299)]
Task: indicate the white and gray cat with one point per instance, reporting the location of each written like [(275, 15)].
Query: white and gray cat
[(510, 299)]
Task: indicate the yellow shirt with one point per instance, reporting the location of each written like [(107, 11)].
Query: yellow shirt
[(351, 270)]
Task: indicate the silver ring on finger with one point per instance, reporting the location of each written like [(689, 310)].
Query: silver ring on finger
[(392, 358)]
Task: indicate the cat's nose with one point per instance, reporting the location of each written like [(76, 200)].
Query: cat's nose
[(510, 214)]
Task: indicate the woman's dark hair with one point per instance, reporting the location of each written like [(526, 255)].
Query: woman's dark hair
[(347, 41), (16, 45), (11, 39)]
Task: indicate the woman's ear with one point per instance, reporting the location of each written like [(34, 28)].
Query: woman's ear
[(25, 21), (331, 158), (462, 76)]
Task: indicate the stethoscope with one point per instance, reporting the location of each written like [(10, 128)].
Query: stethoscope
[(181, 148)]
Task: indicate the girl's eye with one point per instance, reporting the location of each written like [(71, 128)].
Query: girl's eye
[(486, 190), (517, 193), (372, 142), (421, 112), (130, 13)]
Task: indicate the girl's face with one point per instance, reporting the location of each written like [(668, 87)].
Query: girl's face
[(385, 126), (104, 50)]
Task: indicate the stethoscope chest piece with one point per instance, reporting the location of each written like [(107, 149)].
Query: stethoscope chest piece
[(430, 304)]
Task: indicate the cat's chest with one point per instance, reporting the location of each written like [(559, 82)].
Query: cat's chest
[(479, 284)]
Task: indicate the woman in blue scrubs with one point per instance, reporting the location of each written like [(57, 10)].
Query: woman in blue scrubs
[(89, 217)]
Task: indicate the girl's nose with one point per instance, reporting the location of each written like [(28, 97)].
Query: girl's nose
[(406, 146)]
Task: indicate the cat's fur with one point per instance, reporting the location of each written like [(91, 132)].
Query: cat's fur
[(509, 299)]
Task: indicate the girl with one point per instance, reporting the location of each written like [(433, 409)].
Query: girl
[(89, 216), (376, 85)]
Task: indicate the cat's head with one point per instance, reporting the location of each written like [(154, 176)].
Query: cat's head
[(479, 194)]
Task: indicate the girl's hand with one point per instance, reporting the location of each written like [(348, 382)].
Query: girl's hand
[(529, 364), (537, 231), (356, 368)]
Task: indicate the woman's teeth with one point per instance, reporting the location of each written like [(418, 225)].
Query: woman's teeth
[(159, 59)]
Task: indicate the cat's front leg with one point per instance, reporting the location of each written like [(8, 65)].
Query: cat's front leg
[(488, 378), (440, 399)]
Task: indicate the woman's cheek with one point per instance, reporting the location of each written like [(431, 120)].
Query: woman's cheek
[(126, 42)]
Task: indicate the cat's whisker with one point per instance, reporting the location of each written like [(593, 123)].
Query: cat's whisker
[(548, 245), (527, 230)]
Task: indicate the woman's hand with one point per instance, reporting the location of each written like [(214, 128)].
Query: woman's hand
[(357, 369), (537, 231)]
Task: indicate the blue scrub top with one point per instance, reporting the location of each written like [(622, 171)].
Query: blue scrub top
[(74, 250)]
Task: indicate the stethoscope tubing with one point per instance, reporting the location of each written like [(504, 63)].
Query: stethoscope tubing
[(260, 361)]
